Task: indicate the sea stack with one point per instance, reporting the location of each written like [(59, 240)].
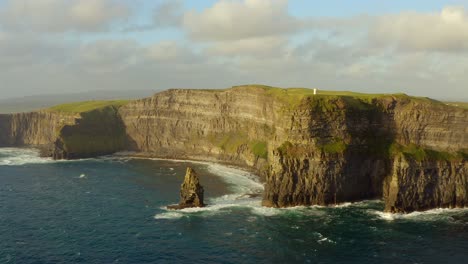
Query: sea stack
[(191, 192)]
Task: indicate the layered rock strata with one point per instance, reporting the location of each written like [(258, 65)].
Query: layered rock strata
[(65, 135), (309, 149)]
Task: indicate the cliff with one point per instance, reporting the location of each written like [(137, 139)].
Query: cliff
[(419, 185), (35, 128), (310, 149), (96, 132), (232, 125), (63, 132)]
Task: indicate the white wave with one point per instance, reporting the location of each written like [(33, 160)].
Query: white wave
[(215, 206), (342, 205), (245, 187), (241, 182), (24, 156), (429, 215), (363, 203), (326, 239), (246, 192), (321, 238), (21, 156)]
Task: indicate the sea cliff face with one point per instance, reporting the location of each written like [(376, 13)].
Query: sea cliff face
[(65, 135), (94, 133), (420, 185), (309, 149), (35, 128), (232, 125)]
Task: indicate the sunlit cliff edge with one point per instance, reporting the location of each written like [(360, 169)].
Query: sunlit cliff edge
[(324, 148)]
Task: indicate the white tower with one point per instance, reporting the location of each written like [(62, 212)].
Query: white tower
[(315, 91)]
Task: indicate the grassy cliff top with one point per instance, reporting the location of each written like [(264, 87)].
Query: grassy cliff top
[(302, 92), (458, 104), (293, 96), (81, 107)]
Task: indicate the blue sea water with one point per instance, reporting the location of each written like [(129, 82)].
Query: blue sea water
[(112, 210)]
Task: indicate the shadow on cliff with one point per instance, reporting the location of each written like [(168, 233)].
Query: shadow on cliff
[(371, 127), (96, 133), (5, 130)]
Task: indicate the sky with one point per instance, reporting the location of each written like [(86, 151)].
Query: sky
[(70, 46)]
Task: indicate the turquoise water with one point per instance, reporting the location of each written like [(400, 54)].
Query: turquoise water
[(111, 210)]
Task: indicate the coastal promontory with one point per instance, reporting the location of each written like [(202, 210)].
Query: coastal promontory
[(325, 148)]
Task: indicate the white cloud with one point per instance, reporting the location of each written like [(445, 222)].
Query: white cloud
[(170, 52), (235, 20), (272, 46), (61, 16), (107, 55), (446, 31), (243, 41)]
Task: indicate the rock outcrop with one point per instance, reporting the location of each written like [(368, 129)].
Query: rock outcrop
[(309, 149), (191, 192)]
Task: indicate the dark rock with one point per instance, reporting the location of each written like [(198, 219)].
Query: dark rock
[(191, 192), (421, 185)]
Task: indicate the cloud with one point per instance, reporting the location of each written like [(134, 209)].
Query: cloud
[(271, 46), (61, 16), (234, 20), (446, 31), (17, 50), (107, 55), (170, 52), (242, 41), (168, 14)]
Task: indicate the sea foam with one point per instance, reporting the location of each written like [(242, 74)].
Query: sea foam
[(429, 215), (21, 156), (25, 156), (246, 190)]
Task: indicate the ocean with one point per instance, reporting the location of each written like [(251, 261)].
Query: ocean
[(112, 210)]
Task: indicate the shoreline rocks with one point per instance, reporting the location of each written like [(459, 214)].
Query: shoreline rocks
[(191, 192)]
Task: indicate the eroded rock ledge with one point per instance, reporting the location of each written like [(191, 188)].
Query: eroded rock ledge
[(310, 149)]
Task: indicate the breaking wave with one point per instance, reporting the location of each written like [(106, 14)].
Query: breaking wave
[(25, 156), (21, 156), (246, 192), (429, 215)]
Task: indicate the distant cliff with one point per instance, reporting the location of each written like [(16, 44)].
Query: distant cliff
[(66, 134), (33, 129), (310, 149)]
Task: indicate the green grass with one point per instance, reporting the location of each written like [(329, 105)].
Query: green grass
[(229, 142), (419, 153), (324, 99), (81, 107), (259, 149), (458, 104), (334, 147)]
